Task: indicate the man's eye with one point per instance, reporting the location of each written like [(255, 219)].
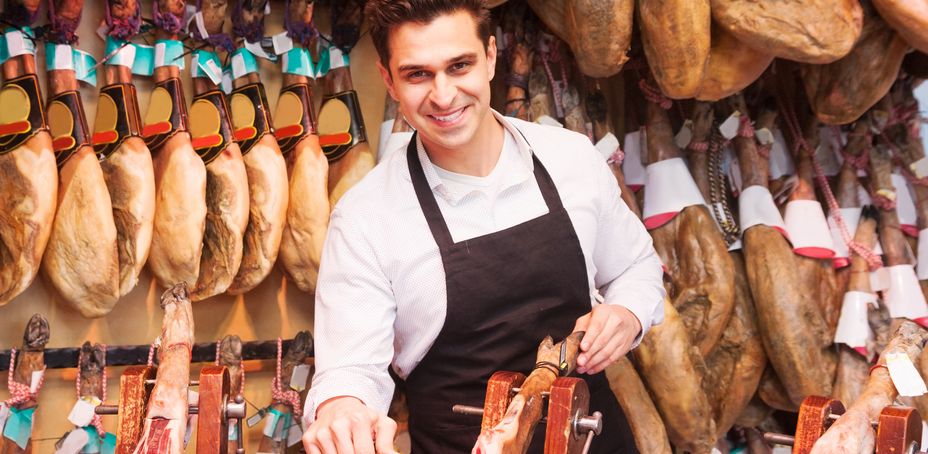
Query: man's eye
[(460, 66), (417, 75)]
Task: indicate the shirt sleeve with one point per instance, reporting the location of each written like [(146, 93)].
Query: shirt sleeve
[(628, 269), (354, 316)]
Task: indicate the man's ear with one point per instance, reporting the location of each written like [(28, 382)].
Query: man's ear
[(387, 79), (491, 57)]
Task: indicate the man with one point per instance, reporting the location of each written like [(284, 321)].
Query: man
[(454, 257)]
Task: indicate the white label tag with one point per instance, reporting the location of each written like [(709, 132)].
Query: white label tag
[(267, 8), (281, 42), (825, 155), (546, 120), (272, 427), (64, 57), (4, 414), (294, 435), (729, 127), (920, 167), (215, 72), (608, 145), (685, 135), (764, 136), (74, 442), (781, 163), (82, 413), (36, 380), (905, 377), (879, 279), (299, 376), (15, 43), (635, 141)]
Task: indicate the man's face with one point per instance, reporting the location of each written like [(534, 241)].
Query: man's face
[(440, 74)]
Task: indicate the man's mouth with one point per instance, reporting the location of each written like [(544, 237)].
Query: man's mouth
[(450, 117)]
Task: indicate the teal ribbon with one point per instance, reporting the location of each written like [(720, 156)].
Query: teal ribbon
[(173, 53), (322, 67), (18, 426), (243, 63), (12, 34), (109, 444), (206, 64), (139, 57), (144, 64), (85, 67), (65, 57), (233, 433), (297, 61), (278, 426), (94, 442)]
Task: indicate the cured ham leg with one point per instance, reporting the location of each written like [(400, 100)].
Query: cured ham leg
[(29, 186), (230, 356), (599, 33), (29, 366), (853, 432), (128, 167), (180, 176), (732, 66), (520, 63), (340, 114), (81, 260), (909, 18), (513, 433), (166, 420), (287, 401), (268, 190), (227, 185), (308, 168), (678, 60)]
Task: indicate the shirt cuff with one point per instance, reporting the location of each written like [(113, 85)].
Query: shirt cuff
[(647, 312), (345, 385)]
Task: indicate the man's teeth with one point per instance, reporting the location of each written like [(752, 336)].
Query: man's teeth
[(451, 117)]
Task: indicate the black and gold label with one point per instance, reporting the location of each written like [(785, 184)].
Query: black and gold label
[(21, 112), (167, 113), (210, 130), (340, 124), (251, 118), (294, 117), (117, 118), (67, 124)]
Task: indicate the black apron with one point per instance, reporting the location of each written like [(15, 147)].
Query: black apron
[(506, 291)]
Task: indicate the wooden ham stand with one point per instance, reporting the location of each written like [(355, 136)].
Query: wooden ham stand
[(216, 406), (569, 428), (898, 430)]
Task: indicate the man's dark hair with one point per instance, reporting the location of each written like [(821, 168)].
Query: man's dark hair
[(386, 15)]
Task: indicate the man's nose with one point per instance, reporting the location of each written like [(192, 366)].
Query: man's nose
[(443, 91)]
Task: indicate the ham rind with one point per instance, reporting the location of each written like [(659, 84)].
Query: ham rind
[(600, 33), (227, 198), (166, 419), (29, 187), (810, 31), (180, 191), (840, 92), (676, 36), (81, 260), (268, 191), (308, 169), (853, 431), (791, 325), (732, 66), (909, 18), (129, 173)]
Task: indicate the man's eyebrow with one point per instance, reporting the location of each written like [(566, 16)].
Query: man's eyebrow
[(463, 57)]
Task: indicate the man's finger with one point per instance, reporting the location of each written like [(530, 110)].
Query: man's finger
[(309, 442), (582, 323), (608, 354), (341, 429), (593, 329), (325, 442), (363, 437), (386, 431)]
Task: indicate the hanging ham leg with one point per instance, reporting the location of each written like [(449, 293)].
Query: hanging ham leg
[(598, 112), (227, 182), (265, 165), (29, 186), (732, 66), (678, 59), (599, 33), (308, 209), (909, 18), (81, 260), (520, 63), (30, 360), (128, 167), (166, 420), (299, 351), (853, 432), (230, 356), (180, 176)]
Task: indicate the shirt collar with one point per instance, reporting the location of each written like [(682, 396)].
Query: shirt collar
[(523, 172)]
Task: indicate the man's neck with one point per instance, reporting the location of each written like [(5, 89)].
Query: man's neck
[(478, 158)]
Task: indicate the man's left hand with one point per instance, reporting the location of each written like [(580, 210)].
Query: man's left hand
[(610, 331)]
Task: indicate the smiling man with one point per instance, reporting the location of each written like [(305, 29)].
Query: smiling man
[(455, 256)]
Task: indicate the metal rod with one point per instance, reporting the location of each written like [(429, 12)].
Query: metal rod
[(779, 439), (467, 410), (234, 410)]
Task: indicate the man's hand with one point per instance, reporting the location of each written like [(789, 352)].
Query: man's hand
[(344, 425), (610, 331)]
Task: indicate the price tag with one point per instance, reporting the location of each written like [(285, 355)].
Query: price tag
[(281, 42), (546, 120), (73, 442), (879, 279), (36, 380), (905, 377), (299, 377), (4, 414), (254, 419), (608, 145), (82, 413), (294, 435), (729, 127), (920, 167), (764, 136), (685, 135)]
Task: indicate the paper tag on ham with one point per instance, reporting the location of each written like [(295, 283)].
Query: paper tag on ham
[(632, 168), (920, 167), (853, 326), (74, 442), (781, 163), (82, 413), (729, 127), (294, 435), (905, 377), (755, 207), (546, 120), (879, 280), (299, 376), (922, 263), (670, 189), (808, 229), (684, 135), (905, 205), (36, 380), (608, 145), (904, 297)]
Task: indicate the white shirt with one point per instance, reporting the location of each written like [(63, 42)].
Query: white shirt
[(381, 297)]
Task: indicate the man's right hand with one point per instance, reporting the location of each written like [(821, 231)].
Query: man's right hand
[(344, 425)]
